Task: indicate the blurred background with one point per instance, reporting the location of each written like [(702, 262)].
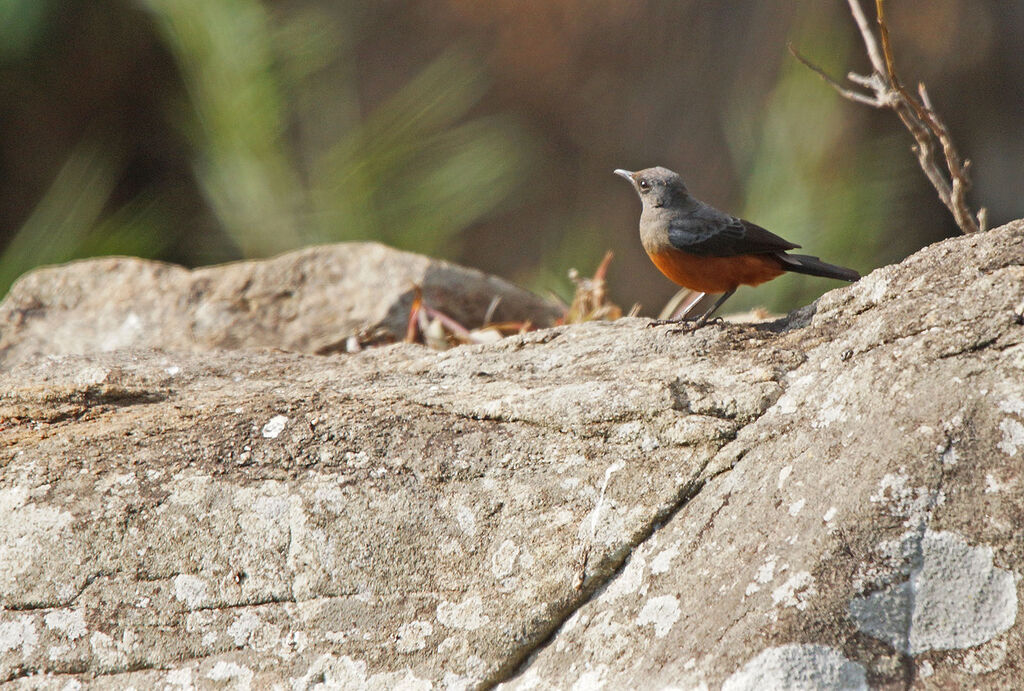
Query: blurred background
[(202, 131)]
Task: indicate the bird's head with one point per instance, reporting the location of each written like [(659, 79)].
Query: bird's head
[(657, 186)]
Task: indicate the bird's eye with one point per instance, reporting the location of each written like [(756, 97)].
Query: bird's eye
[(644, 185)]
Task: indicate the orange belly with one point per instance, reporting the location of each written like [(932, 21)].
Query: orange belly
[(716, 274)]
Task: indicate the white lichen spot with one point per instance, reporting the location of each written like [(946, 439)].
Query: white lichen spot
[(468, 614), (766, 572), (593, 679), (986, 658), (798, 666), (291, 644), (476, 666), (70, 622), (914, 504), (603, 525), (466, 519), (663, 560), (330, 672), (925, 669), (796, 507), (795, 395), (783, 476), (829, 515), (181, 677), (274, 426), (27, 533), (457, 682), (831, 412), (796, 591), (629, 579), (873, 288), (241, 630), (661, 611), (954, 598), (1013, 436), (190, 589), (1012, 404), (19, 633), (608, 522), (992, 485), (231, 671), (503, 561), (107, 651), (413, 636), (173, 370)]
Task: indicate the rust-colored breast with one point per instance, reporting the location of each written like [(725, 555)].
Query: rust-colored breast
[(716, 274)]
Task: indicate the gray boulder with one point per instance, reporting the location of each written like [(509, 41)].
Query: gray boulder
[(312, 301), (830, 501)]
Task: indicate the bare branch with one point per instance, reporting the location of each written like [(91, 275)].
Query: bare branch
[(885, 90), (869, 36)]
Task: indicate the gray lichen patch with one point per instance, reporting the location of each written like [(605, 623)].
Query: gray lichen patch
[(798, 666), (955, 597)]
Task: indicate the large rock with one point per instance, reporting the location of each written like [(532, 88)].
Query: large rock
[(311, 301), (831, 501)]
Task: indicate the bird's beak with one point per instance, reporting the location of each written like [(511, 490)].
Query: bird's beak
[(624, 173)]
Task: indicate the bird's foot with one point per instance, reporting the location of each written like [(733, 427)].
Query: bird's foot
[(662, 322), (693, 325)]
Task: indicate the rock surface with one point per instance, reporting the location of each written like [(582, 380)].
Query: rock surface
[(832, 501), (310, 301)]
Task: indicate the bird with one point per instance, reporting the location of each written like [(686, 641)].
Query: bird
[(707, 250)]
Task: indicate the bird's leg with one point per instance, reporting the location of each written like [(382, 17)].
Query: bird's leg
[(681, 317), (714, 308), (703, 319), (689, 308)]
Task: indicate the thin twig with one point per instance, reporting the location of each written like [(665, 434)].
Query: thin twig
[(843, 91), (918, 116), (869, 36)]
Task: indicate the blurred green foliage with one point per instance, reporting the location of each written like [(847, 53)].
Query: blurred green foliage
[(413, 172), (201, 131), (69, 222), (22, 23), (801, 183)]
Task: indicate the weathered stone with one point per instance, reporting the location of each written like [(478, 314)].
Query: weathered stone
[(310, 301), (596, 504)]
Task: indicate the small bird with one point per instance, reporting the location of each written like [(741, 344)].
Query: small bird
[(709, 251)]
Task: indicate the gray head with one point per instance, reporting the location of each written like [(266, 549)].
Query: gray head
[(657, 186)]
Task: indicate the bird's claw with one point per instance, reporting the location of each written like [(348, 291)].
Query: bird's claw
[(691, 326)]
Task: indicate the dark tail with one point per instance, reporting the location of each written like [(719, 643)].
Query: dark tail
[(812, 266)]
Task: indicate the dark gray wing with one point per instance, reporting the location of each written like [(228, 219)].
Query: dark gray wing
[(708, 232)]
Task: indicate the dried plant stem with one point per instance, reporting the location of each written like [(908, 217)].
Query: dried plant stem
[(885, 90)]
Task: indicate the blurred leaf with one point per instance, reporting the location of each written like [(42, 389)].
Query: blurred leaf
[(140, 228), (238, 118), (67, 212), (22, 24), (412, 173), (409, 174), (67, 222)]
